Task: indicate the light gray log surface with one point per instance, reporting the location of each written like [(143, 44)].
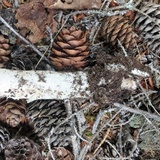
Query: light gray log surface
[(32, 85)]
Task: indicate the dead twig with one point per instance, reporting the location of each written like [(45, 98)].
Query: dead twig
[(24, 40), (138, 111), (87, 146), (48, 144), (106, 136)]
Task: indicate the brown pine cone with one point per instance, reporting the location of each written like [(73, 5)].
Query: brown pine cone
[(4, 50), (60, 153), (45, 115), (12, 111), (116, 28), (4, 46), (4, 137), (70, 49), (22, 149), (149, 25)]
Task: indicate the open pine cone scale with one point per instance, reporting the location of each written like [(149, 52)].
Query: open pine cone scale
[(4, 50)]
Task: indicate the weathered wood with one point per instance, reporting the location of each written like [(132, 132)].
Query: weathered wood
[(33, 85)]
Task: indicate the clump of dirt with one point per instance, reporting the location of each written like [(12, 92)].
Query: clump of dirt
[(106, 78)]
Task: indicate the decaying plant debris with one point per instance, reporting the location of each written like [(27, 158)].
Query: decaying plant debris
[(32, 20), (112, 78), (101, 100)]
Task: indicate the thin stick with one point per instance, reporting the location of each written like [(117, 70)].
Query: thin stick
[(87, 146), (105, 137), (138, 111), (24, 40), (49, 144)]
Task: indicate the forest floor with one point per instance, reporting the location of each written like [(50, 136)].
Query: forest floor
[(121, 120)]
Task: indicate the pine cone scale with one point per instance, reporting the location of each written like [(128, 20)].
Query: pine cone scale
[(3, 40), (15, 111), (58, 63), (67, 37), (70, 61), (3, 52), (57, 53), (6, 46), (65, 31), (64, 45), (77, 33), (76, 43), (71, 52), (82, 48)]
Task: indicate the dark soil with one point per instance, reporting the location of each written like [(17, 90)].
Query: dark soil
[(105, 81)]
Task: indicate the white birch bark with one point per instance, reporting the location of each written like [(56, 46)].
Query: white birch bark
[(33, 85)]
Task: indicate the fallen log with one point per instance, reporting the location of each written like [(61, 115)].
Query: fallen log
[(32, 85)]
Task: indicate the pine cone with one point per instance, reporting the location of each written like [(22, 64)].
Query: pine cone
[(47, 114), (116, 28), (4, 50), (155, 99), (4, 137), (22, 149), (149, 27), (60, 153), (25, 59), (70, 49), (12, 111)]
